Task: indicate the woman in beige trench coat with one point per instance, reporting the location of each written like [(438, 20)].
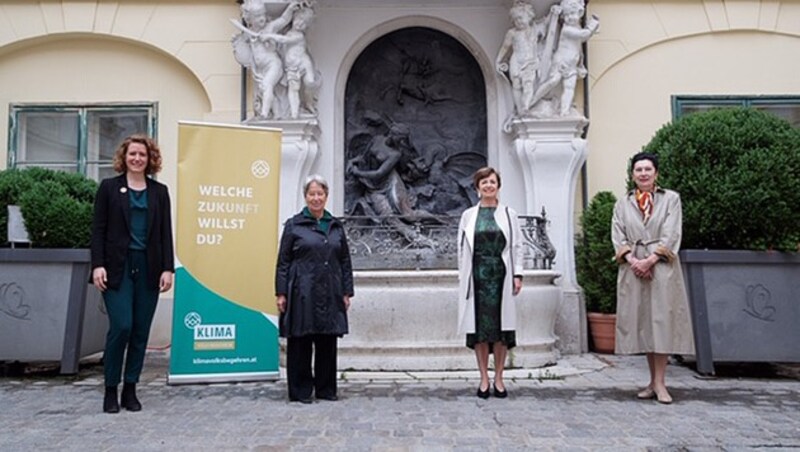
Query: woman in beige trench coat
[(652, 307)]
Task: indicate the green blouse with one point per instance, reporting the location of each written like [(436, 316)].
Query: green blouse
[(138, 226)]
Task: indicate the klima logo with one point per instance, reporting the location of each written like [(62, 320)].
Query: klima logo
[(215, 332)]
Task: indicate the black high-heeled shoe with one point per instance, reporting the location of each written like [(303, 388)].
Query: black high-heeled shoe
[(498, 393), (484, 394)]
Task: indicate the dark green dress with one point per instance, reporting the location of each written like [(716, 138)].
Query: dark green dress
[(488, 274)]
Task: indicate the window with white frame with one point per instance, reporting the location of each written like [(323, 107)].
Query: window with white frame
[(75, 138), (786, 107)]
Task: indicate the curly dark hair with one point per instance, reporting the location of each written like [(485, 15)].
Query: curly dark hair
[(153, 154)]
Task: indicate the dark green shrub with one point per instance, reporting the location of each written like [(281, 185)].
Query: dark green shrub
[(56, 206), (596, 268), (738, 173)]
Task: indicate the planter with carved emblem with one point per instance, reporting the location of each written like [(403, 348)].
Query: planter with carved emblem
[(48, 311), (745, 305)]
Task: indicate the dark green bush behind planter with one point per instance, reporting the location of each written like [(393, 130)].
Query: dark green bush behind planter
[(738, 173), (596, 269), (56, 206)]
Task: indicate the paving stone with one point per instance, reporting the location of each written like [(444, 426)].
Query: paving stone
[(591, 405)]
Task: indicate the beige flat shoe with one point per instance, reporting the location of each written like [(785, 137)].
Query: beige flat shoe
[(664, 397), (646, 393)]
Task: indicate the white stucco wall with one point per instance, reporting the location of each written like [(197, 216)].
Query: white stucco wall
[(647, 51), (82, 52), (178, 53), (198, 36), (73, 68), (53, 52)]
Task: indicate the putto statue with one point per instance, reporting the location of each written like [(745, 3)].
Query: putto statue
[(542, 59), (276, 52), (520, 59)]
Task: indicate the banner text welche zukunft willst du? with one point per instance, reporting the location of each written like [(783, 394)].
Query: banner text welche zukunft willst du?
[(217, 204)]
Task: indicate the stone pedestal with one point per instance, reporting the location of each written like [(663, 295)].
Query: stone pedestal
[(407, 320), (551, 154), (299, 149)]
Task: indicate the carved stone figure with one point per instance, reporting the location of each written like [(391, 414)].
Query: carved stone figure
[(253, 50), (519, 50), (415, 132), (523, 53), (567, 65), (302, 79), (543, 59), (277, 55), (386, 196)]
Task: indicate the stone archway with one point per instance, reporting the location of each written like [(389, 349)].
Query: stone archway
[(415, 131)]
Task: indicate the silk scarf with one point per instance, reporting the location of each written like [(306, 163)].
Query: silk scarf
[(645, 201)]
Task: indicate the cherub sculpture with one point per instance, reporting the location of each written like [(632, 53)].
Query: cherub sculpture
[(525, 52), (302, 79), (254, 49), (567, 62)]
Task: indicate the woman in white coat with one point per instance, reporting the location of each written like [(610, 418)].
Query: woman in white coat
[(490, 277)]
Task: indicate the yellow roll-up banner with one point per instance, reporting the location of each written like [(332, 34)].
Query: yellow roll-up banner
[(224, 316)]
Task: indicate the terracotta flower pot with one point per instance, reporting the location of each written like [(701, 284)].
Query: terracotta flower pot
[(602, 326)]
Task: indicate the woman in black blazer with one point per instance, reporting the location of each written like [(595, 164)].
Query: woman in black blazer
[(132, 260)]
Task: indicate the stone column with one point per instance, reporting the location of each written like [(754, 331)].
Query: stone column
[(551, 154), (299, 149)]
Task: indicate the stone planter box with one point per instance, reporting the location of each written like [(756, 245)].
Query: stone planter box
[(745, 306), (406, 320), (48, 311)]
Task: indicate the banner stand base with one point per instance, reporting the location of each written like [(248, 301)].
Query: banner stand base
[(185, 379)]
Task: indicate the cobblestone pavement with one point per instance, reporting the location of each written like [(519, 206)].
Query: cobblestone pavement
[(585, 402)]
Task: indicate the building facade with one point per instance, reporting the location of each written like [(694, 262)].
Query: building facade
[(75, 75)]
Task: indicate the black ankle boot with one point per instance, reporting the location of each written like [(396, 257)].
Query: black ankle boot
[(110, 402), (129, 400)]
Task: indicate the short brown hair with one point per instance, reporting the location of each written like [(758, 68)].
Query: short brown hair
[(483, 173), (153, 154)]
